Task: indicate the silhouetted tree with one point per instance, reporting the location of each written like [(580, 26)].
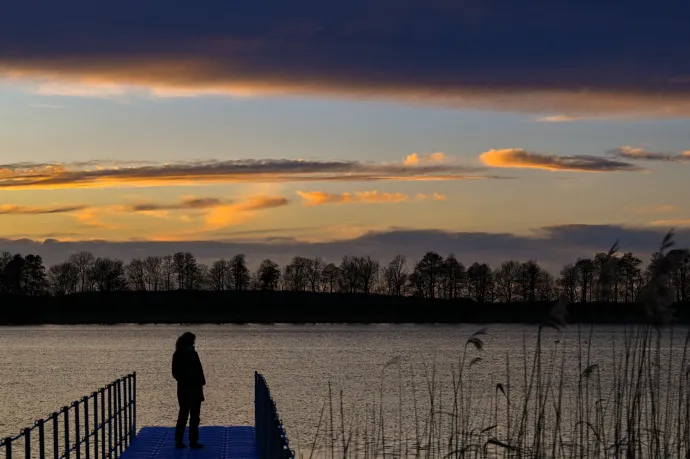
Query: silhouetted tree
[(108, 275), (569, 281), (36, 280), (585, 268), (395, 275), (83, 261), (506, 277), (680, 277), (314, 271), (453, 277), (268, 275), (179, 268), (219, 275), (63, 278), (368, 269), (426, 274), (153, 272), (168, 273), (239, 272), (329, 277), (479, 280), (135, 274), (349, 274)]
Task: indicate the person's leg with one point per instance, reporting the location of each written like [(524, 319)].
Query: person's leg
[(181, 420), (194, 421)]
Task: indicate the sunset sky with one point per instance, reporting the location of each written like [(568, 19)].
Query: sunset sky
[(490, 129)]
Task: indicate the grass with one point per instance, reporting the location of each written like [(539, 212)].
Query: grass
[(556, 397)]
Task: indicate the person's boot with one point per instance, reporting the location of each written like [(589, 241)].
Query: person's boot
[(196, 445)]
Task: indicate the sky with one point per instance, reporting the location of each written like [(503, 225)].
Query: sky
[(488, 129)]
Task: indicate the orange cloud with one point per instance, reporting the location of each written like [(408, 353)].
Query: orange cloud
[(520, 158), (683, 222), (315, 198), (233, 214), (647, 210), (415, 158), (10, 209), (51, 176)]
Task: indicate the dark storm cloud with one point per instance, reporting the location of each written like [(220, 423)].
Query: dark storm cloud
[(578, 56), (552, 247)]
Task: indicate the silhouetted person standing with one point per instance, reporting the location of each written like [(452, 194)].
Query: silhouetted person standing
[(187, 370)]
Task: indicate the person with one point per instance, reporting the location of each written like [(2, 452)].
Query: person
[(189, 374)]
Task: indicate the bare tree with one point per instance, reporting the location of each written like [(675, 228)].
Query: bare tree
[(329, 277), (506, 280), (314, 270), (218, 275), (296, 275), (395, 275), (239, 272), (135, 274), (108, 275), (368, 272), (83, 260), (168, 273), (153, 272), (63, 278)]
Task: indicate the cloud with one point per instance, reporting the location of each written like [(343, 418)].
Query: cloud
[(680, 222), (642, 154), (104, 175), (184, 204), (552, 246), (315, 198), (520, 158), (232, 214), (10, 209), (562, 118), (415, 158), (488, 55), (650, 210)]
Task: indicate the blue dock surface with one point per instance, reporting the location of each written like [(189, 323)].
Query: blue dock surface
[(220, 442)]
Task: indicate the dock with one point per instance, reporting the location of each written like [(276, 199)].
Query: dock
[(103, 425)]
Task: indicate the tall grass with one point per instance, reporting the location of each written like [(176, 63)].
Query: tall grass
[(556, 397)]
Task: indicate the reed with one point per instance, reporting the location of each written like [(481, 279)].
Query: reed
[(557, 397)]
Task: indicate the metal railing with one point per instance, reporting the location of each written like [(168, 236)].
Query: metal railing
[(99, 426), (271, 439)]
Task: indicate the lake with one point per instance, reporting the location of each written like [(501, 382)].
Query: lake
[(391, 373)]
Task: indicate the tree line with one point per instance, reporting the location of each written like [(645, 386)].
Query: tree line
[(432, 277)]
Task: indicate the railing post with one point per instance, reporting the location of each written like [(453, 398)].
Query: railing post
[(87, 432), (77, 430), (56, 435), (8, 447), (66, 432), (119, 417), (27, 443), (41, 439), (110, 420), (95, 424), (134, 403), (103, 421), (125, 415)]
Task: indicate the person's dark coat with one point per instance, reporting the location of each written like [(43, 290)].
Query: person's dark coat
[(187, 370)]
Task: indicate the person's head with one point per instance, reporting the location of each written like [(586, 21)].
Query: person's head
[(185, 340)]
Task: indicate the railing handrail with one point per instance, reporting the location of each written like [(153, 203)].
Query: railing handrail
[(117, 399), (271, 438)]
